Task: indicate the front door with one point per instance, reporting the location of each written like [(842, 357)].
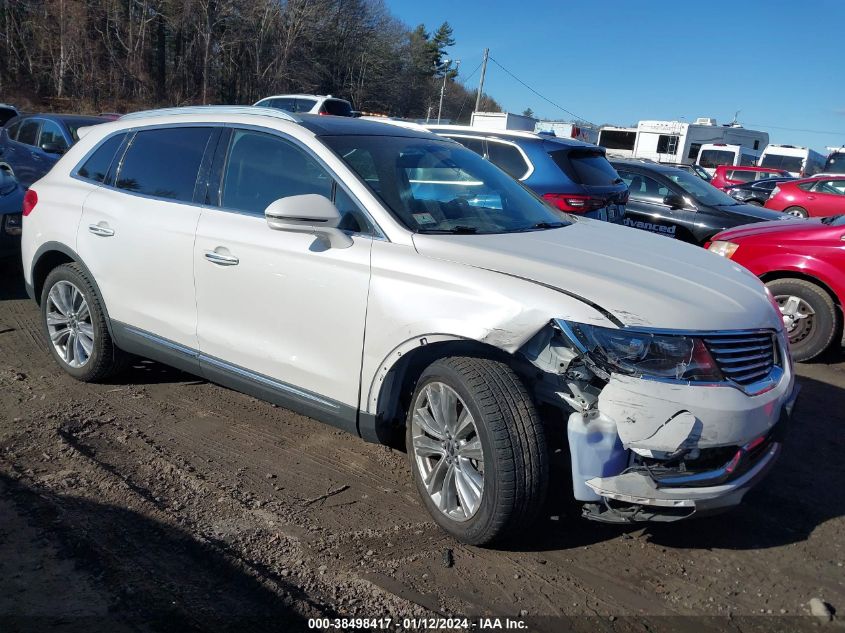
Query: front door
[(646, 208), (281, 314)]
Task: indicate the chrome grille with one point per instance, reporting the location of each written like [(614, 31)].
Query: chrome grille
[(744, 357)]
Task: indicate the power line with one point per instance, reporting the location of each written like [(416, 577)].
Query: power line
[(468, 93), (557, 105)]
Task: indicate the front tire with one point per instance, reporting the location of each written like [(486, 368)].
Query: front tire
[(477, 449), (75, 325), (809, 315)]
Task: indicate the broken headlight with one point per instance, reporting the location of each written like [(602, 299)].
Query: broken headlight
[(642, 353)]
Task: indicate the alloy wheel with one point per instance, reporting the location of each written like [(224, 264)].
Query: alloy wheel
[(69, 324), (447, 450)]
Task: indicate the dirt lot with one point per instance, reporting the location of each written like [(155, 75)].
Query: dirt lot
[(163, 502)]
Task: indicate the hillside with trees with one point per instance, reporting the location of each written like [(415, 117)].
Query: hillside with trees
[(100, 55)]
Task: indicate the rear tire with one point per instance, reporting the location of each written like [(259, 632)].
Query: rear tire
[(798, 212), (503, 457), (75, 325), (810, 316)]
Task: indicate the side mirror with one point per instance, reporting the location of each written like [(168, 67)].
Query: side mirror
[(675, 201), (308, 213), (52, 148)]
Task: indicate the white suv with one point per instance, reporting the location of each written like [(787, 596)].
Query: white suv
[(311, 104), (384, 279)]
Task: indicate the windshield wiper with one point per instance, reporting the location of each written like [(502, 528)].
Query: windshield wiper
[(549, 225)]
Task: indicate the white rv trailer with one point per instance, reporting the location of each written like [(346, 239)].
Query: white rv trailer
[(680, 142), (798, 161), (618, 141), (714, 154)]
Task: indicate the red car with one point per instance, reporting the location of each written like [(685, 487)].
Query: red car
[(802, 262), (809, 197), (727, 175)]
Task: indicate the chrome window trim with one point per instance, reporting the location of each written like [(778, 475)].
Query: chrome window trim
[(130, 132), (492, 139)]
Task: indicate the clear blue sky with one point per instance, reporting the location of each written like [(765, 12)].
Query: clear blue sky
[(780, 62)]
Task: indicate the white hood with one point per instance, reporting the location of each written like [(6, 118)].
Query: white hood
[(642, 279)]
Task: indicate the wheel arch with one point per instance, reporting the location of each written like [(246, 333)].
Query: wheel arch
[(394, 383), (794, 274), (51, 255)]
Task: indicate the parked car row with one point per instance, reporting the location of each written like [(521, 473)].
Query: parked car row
[(574, 177), (477, 320)]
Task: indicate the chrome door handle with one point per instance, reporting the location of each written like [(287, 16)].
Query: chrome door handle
[(102, 231), (221, 260)]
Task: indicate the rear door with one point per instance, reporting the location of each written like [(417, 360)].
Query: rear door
[(137, 233), (827, 197)]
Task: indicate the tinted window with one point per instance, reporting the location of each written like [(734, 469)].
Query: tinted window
[(97, 165), (642, 187), (779, 161), (835, 163), (710, 158), (336, 107), (587, 167), (694, 148), (51, 133), (667, 144), (742, 176), (12, 130), (164, 163), (507, 158), (617, 139), (6, 114), (832, 187), (747, 160), (699, 190), (475, 144), (290, 104), (28, 133), (262, 168)]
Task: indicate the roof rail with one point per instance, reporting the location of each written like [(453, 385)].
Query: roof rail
[(213, 109)]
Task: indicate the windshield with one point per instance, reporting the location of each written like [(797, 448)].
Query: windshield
[(835, 163), (780, 161), (710, 158), (436, 186), (699, 190), (834, 220)]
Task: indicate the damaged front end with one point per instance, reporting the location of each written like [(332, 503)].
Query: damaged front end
[(664, 424)]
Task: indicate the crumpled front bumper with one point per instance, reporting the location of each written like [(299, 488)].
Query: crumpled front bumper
[(639, 494)]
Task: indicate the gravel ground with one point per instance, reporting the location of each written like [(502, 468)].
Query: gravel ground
[(163, 502)]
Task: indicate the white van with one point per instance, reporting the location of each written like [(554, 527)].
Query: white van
[(712, 155), (798, 161)]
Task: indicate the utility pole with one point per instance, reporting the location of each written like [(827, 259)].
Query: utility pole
[(447, 62), (481, 83)]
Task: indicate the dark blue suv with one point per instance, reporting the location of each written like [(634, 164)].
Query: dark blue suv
[(31, 144), (573, 176)]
